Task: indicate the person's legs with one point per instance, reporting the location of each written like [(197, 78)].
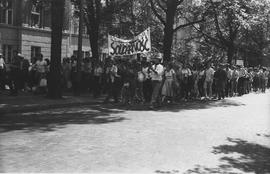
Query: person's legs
[(109, 92), (210, 85), (263, 85), (2, 79), (155, 94), (200, 85), (223, 84), (95, 86), (205, 89), (140, 91)]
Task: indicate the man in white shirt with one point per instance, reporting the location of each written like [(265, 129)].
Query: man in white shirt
[(41, 65), (234, 80), (185, 75), (97, 80), (208, 82), (156, 73), (113, 85), (241, 81), (229, 81)]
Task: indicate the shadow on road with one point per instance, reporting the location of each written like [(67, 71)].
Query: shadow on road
[(95, 114), (54, 119), (181, 106), (241, 155)]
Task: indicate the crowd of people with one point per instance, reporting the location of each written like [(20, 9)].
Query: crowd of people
[(133, 81)]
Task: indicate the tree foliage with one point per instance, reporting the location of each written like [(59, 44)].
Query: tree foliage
[(172, 14), (228, 21)]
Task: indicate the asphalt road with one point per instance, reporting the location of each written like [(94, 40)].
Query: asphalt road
[(228, 136)]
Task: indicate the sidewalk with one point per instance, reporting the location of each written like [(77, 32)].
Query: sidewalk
[(27, 102)]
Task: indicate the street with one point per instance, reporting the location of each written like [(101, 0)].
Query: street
[(227, 136)]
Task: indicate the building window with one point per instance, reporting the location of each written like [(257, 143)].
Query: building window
[(6, 12), (7, 52), (75, 53), (36, 15), (85, 54), (84, 30), (75, 27), (35, 51)]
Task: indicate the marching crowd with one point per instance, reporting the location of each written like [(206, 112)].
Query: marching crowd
[(132, 81)]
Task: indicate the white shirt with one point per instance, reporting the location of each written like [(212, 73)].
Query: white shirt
[(209, 73), (186, 72), (98, 71), (242, 72), (41, 66), (2, 63), (229, 74), (159, 69), (235, 74), (113, 72), (141, 76)]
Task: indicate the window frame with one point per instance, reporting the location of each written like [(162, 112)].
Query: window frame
[(6, 14)]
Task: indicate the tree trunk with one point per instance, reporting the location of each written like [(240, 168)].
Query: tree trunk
[(230, 54), (54, 81), (94, 43), (167, 41), (168, 29)]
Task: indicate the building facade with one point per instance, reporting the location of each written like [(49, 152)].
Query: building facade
[(25, 28)]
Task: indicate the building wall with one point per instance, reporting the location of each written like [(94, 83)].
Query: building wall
[(8, 38), (21, 36), (41, 38)]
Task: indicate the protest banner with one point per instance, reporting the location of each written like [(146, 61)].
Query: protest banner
[(121, 47)]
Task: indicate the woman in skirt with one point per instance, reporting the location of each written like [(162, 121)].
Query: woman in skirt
[(167, 89)]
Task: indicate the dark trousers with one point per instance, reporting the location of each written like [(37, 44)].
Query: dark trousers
[(113, 90), (147, 90), (96, 85), (2, 79), (263, 85), (185, 88), (240, 86), (14, 83), (228, 88), (200, 86), (220, 87)]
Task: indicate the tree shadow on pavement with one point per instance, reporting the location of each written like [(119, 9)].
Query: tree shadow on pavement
[(180, 106), (58, 118), (240, 155)]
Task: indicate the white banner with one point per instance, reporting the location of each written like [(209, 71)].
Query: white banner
[(121, 47)]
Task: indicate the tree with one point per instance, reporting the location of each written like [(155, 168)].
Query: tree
[(131, 17), (96, 13), (169, 9), (54, 85), (227, 20)]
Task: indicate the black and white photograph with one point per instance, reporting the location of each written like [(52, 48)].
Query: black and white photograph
[(135, 86)]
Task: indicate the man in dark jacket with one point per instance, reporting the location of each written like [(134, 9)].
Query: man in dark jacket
[(221, 78), (15, 74)]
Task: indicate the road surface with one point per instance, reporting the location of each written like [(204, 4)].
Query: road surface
[(228, 136)]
